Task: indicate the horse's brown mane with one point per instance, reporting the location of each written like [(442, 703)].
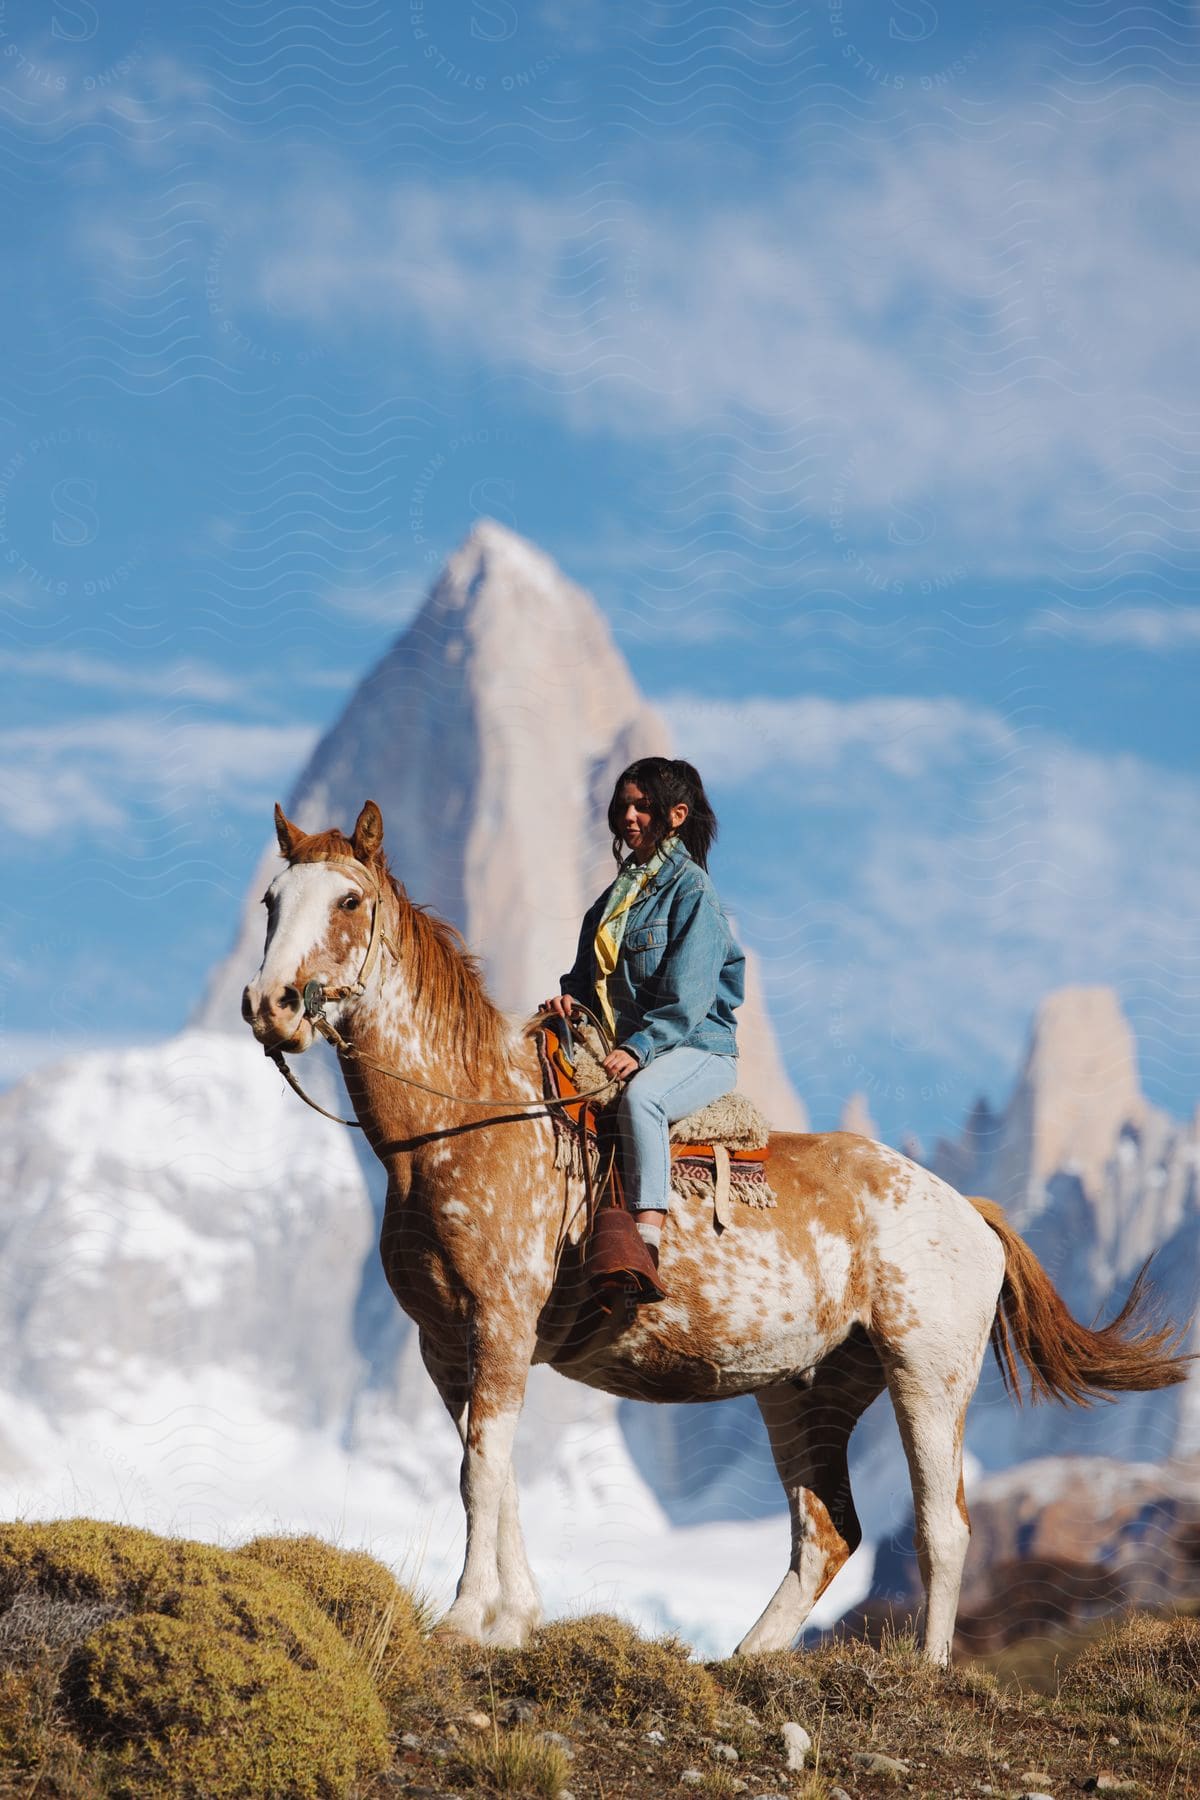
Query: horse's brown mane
[(447, 982)]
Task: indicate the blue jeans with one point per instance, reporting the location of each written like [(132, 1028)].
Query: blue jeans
[(678, 1082)]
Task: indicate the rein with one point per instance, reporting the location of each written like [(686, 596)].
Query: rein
[(316, 995)]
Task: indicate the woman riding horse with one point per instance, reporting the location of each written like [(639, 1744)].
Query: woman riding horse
[(868, 1273), (658, 961)]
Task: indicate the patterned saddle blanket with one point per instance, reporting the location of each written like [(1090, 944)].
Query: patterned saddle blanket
[(719, 1153)]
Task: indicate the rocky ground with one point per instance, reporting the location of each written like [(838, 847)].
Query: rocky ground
[(843, 1721), (133, 1665)]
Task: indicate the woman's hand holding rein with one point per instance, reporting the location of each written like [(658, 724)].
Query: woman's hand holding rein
[(618, 1064)]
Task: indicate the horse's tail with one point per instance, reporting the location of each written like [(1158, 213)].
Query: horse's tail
[(1068, 1361)]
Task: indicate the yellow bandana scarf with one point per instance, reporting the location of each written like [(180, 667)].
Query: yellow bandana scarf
[(628, 887)]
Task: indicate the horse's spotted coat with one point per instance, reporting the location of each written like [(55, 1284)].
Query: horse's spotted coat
[(869, 1271)]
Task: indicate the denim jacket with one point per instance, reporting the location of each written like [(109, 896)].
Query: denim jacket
[(680, 975)]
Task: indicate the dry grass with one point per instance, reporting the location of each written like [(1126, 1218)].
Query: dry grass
[(604, 1666), (1147, 1669), (517, 1762), (852, 1680), (717, 1784)]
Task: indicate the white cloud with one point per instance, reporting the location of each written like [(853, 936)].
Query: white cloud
[(181, 680), (1147, 627), (94, 776), (900, 735), (918, 323), (392, 602), (917, 875), (147, 97), (185, 678)]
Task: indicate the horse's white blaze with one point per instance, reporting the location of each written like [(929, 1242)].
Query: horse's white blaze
[(305, 895)]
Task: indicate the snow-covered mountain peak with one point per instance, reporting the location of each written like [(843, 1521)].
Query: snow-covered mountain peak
[(494, 561), (162, 1214), (506, 700)]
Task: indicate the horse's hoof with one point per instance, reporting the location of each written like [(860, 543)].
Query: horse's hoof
[(510, 1631), (446, 1632)]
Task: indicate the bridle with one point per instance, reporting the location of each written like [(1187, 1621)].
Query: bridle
[(316, 996)]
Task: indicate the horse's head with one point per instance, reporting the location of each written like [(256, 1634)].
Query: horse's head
[(322, 927)]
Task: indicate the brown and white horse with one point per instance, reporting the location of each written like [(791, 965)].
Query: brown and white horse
[(870, 1272)]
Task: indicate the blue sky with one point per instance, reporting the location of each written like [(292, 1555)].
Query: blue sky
[(846, 353)]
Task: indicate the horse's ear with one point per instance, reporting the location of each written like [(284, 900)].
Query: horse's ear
[(368, 832), (289, 835)]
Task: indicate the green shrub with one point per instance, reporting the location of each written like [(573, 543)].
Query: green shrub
[(39, 1752), (185, 1709), (185, 1669), (374, 1614), (602, 1664), (82, 1560), (1147, 1667)]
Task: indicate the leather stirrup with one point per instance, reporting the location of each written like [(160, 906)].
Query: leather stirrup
[(619, 1258)]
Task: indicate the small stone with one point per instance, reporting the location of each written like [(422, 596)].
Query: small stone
[(410, 1741), (559, 1742), (1031, 1795), (564, 1794), (1036, 1777), (1112, 1740), (779, 1797), (796, 1742), (478, 1721), (656, 1737), (515, 1712), (739, 1787), (692, 1778), (872, 1763), (1105, 1782), (724, 1753), (838, 1794)]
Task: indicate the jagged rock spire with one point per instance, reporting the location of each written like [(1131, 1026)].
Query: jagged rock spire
[(1078, 1088), (491, 734)]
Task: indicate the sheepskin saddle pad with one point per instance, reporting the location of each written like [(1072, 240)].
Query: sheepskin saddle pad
[(726, 1141)]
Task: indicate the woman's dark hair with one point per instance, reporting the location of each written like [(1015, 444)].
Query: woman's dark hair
[(667, 784)]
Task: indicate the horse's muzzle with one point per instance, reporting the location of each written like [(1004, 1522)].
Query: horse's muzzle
[(278, 1020)]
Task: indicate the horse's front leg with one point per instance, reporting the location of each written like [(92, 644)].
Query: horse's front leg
[(497, 1599)]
